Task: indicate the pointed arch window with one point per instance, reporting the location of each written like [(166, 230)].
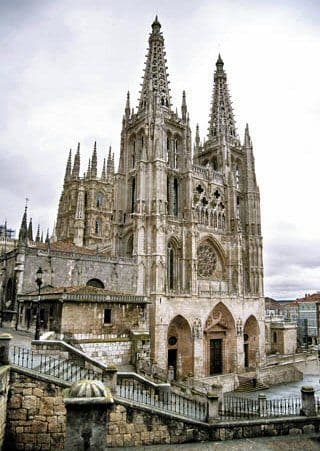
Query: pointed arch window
[(171, 271), (98, 227), (99, 200), (133, 194), (175, 197), (237, 174)]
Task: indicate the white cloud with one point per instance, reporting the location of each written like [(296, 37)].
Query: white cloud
[(66, 67)]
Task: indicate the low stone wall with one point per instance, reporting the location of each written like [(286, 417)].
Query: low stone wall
[(36, 414), (132, 426), (4, 384), (285, 372), (111, 352)]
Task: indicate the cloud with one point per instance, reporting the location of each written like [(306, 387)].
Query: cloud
[(66, 68)]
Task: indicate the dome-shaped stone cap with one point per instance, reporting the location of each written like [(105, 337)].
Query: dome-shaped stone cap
[(88, 389)]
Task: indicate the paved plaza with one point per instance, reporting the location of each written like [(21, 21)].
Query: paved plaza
[(308, 442)]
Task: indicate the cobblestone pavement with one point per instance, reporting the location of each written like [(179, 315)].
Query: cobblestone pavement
[(19, 338), (308, 442)]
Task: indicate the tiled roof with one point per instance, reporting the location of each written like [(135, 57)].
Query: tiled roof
[(315, 297)]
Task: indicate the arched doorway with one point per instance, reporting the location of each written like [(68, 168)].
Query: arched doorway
[(251, 342), (220, 336), (180, 348)]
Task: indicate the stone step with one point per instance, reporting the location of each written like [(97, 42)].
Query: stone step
[(250, 386)]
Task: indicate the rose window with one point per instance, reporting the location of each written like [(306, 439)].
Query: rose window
[(207, 261)]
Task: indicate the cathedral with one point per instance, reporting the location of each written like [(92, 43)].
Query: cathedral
[(176, 228)]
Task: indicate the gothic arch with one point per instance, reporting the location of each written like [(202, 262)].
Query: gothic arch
[(180, 346), (251, 342), (220, 339), (9, 294), (173, 263)]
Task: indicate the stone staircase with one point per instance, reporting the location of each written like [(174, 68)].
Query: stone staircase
[(250, 384)]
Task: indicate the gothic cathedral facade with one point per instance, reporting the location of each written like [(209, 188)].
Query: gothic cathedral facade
[(188, 215)]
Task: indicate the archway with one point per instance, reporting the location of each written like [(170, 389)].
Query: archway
[(180, 349), (95, 283), (251, 342), (220, 336)]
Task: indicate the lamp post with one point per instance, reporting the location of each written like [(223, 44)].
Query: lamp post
[(39, 283)]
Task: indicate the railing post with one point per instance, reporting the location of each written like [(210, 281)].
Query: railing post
[(213, 407), (109, 375), (170, 373), (262, 399), (4, 348), (308, 401), (163, 389)]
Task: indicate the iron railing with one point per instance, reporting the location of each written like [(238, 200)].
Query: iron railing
[(236, 407), (162, 400), (53, 366)]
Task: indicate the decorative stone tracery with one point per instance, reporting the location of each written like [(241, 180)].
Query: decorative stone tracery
[(207, 260)]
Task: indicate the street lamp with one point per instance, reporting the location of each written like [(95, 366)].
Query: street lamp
[(39, 283)]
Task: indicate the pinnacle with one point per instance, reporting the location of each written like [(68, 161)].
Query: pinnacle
[(156, 23), (219, 61)]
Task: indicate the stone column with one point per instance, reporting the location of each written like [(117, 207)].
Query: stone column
[(4, 348), (308, 401)]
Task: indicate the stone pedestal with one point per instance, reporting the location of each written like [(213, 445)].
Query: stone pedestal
[(109, 377), (87, 404), (308, 401), (213, 407), (4, 348)]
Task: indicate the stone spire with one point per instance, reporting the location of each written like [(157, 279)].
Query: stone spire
[(221, 117), (127, 109), (30, 232), (88, 175), (76, 164), (103, 173), (68, 167), (109, 163), (41, 238), (47, 237), (247, 140), (23, 232), (155, 78), (94, 161), (184, 106), (38, 234)]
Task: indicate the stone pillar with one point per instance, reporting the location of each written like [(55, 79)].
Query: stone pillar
[(213, 407), (308, 401), (109, 377), (87, 404), (262, 405), (4, 348)]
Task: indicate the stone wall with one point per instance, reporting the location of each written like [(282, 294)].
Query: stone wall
[(112, 352), (283, 372), (131, 426), (63, 270), (36, 414), (4, 384), (81, 317)]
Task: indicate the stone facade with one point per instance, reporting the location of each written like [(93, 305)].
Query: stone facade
[(4, 387), (36, 414), (184, 215)]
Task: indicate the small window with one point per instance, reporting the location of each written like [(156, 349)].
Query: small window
[(274, 337), (107, 316)]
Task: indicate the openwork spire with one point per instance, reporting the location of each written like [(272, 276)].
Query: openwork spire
[(221, 117), (30, 231), (68, 167), (155, 79), (76, 164), (23, 232), (94, 161)]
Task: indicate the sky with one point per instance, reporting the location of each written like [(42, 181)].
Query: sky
[(66, 66)]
